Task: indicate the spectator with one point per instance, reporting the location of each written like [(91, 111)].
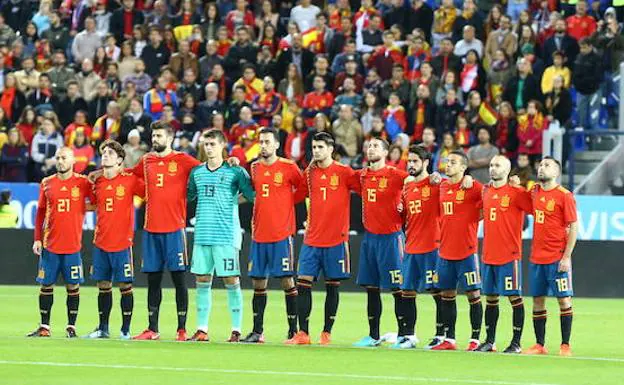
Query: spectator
[(88, 81), (232, 113), (17, 13), (502, 38), (7, 34), (557, 69), (348, 133), (60, 74), (560, 41), (394, 116), (187, 15), (348, 97), (302, 58), (396, 84), (183, 60), (45, 144), (505, 134), (428, 141), (368, 38), (141, 80), (210, 106), (468, 43), (370, 110), (268, 104), (445, 60), (245, 127), (138, 121), (423, 111), (319, 100), (28, 76), (524, 170), (443, 21), (97, 106), (27, 125), (291, 87), (108, 125), (321, 68), (86, 42), (480, 155), (498, 75), (447, 112), (531, 126), (296, 140), (155, 55), (304, 15), (441, 156), (239, 17), (189, 86), (124, 19), (427, 78), (8, 213), (581, 24), (12, 100), (350, 72), (253, 85), (609, 43), (208, 61), (522, 87), (159, 96), (420, 16), (558, 102), (80, 123), (479, 112), (185, 145), (384, 58), (587, 77), (395, 157), (418, 53), (14, 158), (112, 80), (469, 16), (135, 149), (71, 103), (159, 17), (84, 154), (241, 53), (464, 136), (100, 62), (472, 76)]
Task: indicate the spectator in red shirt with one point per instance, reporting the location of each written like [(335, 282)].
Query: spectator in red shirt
[(581, 24), (238, 17), (124, 19), (83, 153), (384, 57), (319, 100)]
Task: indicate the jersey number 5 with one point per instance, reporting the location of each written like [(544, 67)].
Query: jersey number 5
[(265, 190)]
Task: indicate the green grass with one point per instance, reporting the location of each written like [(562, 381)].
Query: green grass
[(597, 343)]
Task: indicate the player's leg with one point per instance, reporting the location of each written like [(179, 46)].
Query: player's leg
[(447, 283), (431, 285), (290, 299), (257, 269), (368, 277), (101, 272), (539, 290), (281, 262), (227, 266), (470, 279), (153, 265), (203, 267), (73, 277), (176, 262), (123, 275), (561, 286), (47, 272), (308, 270), (411, 273), (336, 267), (513, 290), (492, 293), (126, 303), (389, 251)]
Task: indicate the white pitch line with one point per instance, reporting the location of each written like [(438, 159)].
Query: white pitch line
[(272, 373)]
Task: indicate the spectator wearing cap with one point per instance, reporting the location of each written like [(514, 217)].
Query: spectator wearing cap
[(522, 87), (557, 69), (384, 57), (396, 84), (135, 120), (537, 65), (155, 55), (468, 42), (241, 53), (501, 38), (124, 19), (560, 41), (350, 72), (321, 68), (135, 149), (587, 78), (296, 54), (581, 24)]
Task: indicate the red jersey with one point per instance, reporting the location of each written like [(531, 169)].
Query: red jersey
[(114, 230), (165, 181), (580, 27), (381, 194), (553, 210), (503, 217), (421, 207), (460, 211), (329, 190), (61, 212), (274, 207), (314, 102)]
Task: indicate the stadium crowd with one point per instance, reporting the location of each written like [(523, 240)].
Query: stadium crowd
[(484, 76)]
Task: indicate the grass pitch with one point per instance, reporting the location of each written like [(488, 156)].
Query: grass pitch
[(597, 343)]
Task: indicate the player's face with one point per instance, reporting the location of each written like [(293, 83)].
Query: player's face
[(321, 151), (268, 145), (499, 170), (64, 160), (376, 151), (415, 165), (547, 170), (110, 158), (214, 148), (160, 140), (455, 165)]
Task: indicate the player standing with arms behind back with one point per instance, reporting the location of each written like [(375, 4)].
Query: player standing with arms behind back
[(272, 247), (504, 207), (114, 232), (382, 248), (217, 243), (554, 237), (326, 242), (458, 263), (165, 173), (58, 238)]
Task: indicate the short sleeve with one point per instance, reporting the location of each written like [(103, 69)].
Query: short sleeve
[(569, 208)]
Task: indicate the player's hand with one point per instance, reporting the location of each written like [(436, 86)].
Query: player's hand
[(514, 181), (233, 161), (408, 179), (400, 207), (37, 247), (435, 178), (467, 183), (94, 175), (565, 265)]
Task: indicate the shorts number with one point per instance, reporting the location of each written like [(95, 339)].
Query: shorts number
[(228, 264), (471, 278), (324, 192), (343, 265), (180, 259), (265, 190), (371, 195), (493, 214), (62, 206), (160, 180), (509, 285), (285, 264), (75, 272), (395, 276), (448, 208), (108, 204), (562, 284), (415, 206), (127, 270), (429, 276), (539, 216)]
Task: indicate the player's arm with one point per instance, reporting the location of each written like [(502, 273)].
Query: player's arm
[(524, 201), (41, 214), (302, 188), (353, 181), (244, 185), (569, 215), (191, 188), (139, 187)]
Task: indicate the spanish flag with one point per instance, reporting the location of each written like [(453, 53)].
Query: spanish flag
[(487, 114), (309, 37)]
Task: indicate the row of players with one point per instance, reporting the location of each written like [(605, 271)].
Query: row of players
[(438, 255)]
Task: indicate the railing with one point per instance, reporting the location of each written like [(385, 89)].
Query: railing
[(576, 144)]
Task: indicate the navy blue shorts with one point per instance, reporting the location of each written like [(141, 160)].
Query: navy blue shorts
[(164, 250), (274, 259), (380, 260), (116, 266), (51, 265), (464, 273), (547, 280), (419, 271), (333, 261), (503, 280)]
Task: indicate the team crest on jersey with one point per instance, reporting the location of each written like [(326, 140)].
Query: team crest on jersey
[(460, 195), (383, 183), (425, 193), (550, 206), (278, 178), (75, 193), (505, 201), (172, 168), (120, 192), (334, 181)]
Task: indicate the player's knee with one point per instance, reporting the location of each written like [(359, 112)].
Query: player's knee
[(231, 280), (124, 286), (448, 293), (72, 287), (203, 278), (287, 283), (104, 285), (408, 294), (259, 284), (514, 299), (565, 302), (330, 284), (539, 303), (46, 290), (304, 282), (178, 279), (473, 294), (492, 298)]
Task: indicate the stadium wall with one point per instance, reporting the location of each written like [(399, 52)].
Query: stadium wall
[(598, 265)]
